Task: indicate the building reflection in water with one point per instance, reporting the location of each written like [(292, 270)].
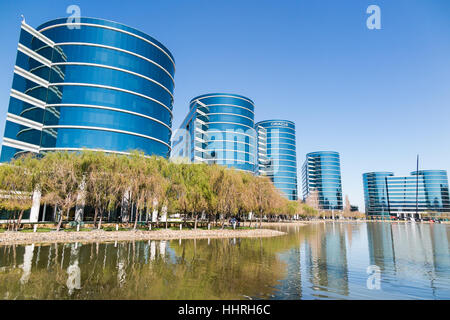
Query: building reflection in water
[(326, 259), (396, 245), (381, 246), (138, 270), (27, 261), (410, 253), (322, 260), (440, 242), (73, 271), (316, 262)]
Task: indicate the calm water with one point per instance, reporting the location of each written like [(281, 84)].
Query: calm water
[(320, 261)]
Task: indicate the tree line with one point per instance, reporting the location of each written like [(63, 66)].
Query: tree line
[(136, 182)]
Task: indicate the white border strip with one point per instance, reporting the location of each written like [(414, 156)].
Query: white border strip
[(225, 95), (233, 123), (230, 150), (225, 133), (37, 34), (271, 134), (230, 114), (29, 76), (34, 55), (224, 105), (279, 140), (241, 142), (28, 99), (271, 150), (274, 155), (274, 182), (230, 160), (108, 108), (117, 49), (20, 145), (106, 129), (110, 28), (23, 121), (111, 88), (117, 69)]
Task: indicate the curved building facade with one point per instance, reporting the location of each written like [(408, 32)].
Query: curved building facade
[(219, 128), (424, 191), (97, 85), (376, 195), (277, 156), (435, 191), (321, 174)]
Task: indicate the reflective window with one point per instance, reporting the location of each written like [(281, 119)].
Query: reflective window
[(22, 133), (106, 140)]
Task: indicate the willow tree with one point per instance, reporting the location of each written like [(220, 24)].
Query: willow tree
[(198, 189), (225, 186), (177, 191), (264, 194), (100, 184), (143, 180), (61, 178), (245, 199), (158, 189), (172, 190), (18, 180), (307, 211), (134, 180), (292, 207)]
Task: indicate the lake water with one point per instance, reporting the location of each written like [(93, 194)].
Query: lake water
[(317, 261)]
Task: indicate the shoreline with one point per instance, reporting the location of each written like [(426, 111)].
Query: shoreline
[(18, 238), (281, 223), (306, 222)]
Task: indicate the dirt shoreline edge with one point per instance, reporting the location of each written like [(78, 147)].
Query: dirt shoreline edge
[(18, 238)]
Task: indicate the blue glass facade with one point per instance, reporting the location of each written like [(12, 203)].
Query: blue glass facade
[(277, 157), (219, 128), (104, 86), (424, 191), (321, 173), (376, 193)]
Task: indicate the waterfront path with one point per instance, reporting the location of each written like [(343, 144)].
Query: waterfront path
[(7, 238)]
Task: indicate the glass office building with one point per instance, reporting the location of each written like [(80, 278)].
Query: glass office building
[(321, 175), (97, 85), (376, 193), (424, 191), (277, 157), (219, 128)]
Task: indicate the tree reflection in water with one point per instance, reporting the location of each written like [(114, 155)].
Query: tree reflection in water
[(186, 269), (323, 260)]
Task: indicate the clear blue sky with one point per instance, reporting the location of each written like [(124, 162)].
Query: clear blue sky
[(378, 97)]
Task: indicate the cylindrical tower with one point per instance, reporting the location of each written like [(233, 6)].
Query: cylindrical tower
[(229, 137), (116, 93), (277, 155), (376, 193), (322, 174)]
